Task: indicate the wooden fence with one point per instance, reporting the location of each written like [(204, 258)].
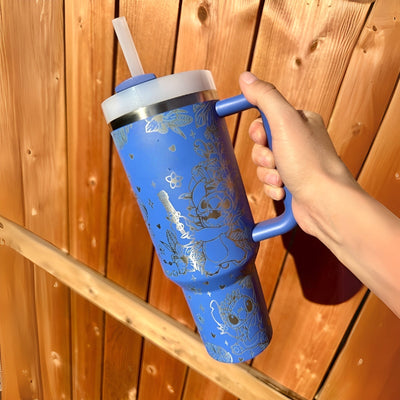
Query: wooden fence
[(61, 179)]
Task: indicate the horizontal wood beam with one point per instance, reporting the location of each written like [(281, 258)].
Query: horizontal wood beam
[(173, 337)]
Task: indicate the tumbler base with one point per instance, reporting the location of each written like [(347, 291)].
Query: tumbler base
[(233, 320)]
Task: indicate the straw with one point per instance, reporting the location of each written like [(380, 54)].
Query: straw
[(128, 47)]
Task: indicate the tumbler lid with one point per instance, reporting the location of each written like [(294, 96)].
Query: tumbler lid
[(155, 91)]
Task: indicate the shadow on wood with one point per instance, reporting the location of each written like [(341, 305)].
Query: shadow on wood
[(323, 278)]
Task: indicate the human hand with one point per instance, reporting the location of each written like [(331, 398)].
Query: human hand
[(326, 200), (303, 157)]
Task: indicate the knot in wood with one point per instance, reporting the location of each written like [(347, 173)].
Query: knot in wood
[(314, 45), (151, 369), (203, 12)]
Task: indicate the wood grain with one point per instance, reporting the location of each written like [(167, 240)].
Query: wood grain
[(306, 334), (19, 350), (161, 374), (222, 32), (162, 330), (20, 361), (368, 366), (380, 175), (89, 82), (129, 260), (198, 387), (38, 58), (166, 382), (369, 80), (130, 254)]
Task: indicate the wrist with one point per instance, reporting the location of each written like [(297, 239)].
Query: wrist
[(322, 208)]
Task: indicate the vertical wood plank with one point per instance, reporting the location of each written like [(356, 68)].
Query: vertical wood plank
[(129, 260), (380, 173), (18, 331), (162, 375), (306, 334), (41, 110), (307, 62), (369, 364), (89, 61), (198, 387), (223, 32), (40, 123), (370, 77), (153, 27)]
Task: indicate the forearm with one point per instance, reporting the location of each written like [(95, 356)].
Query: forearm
[(365, 237)]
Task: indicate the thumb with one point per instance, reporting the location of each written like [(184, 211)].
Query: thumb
[(271, 102), (289, 130)]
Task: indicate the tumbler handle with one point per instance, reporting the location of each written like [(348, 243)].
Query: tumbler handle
[(282, 223)]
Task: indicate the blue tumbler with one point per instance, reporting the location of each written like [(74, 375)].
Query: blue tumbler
[(178, 156)]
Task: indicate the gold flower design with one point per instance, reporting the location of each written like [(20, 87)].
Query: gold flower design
[(174, 180)]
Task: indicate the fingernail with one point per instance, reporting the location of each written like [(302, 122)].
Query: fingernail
[(248, 77)]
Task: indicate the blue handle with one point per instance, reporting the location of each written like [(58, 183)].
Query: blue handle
[(282, 223)]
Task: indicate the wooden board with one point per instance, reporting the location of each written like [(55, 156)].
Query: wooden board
[(370, 77), (368, 366), (129, 258), (130, 248), (157, 379), (306, 334), (19, 356), (37, 41), (198, 387), (223, 32), (380, 175), (20, 362), (89, 61)]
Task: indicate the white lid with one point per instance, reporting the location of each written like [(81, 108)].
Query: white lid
[(156, 91)]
